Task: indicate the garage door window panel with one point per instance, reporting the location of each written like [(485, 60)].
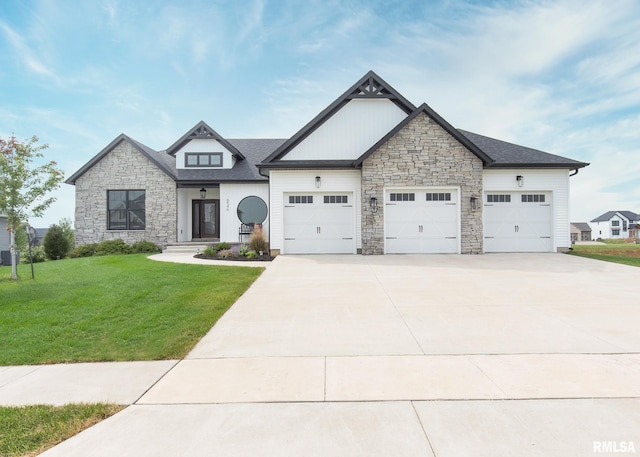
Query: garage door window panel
[(339, 199), (439, 196), (300, 199), (402, 197)]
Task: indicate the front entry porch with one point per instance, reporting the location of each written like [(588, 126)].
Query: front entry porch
[(206, 219)]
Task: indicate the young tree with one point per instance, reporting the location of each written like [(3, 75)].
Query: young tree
[(55, 243), (24, 185)]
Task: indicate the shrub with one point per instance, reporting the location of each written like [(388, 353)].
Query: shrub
[(109, 247), (84, 250), (209, 251), (242, 250), (252, 255), (225, 254), (144, 247), (222, 246), (257, 241), (37, 255), (55, 243)]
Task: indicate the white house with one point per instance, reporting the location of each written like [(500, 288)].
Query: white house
[(371, 174), (615, 224)]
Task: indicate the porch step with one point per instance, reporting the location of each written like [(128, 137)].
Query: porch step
[(186, 247)]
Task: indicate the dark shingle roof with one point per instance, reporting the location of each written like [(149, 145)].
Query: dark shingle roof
[(582, 226), (151, 154), (254, 152), (609, 214), (509, 155)]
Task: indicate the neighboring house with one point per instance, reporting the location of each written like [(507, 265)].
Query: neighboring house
[(615, 224), (580, 231), (371, 174), (40, 234)]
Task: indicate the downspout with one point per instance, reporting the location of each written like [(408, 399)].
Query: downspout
[(575, 172)]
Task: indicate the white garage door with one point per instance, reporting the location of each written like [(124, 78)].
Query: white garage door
[(517, 222), (421, 221), (319, 223)]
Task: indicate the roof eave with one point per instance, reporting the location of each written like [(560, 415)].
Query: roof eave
[(106, 150), (184, 139), (424, 108), (308, 164), (566, 166)]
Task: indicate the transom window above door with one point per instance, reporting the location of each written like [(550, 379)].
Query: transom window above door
[(203, 159)]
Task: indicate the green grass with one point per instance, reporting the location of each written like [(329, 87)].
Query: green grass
[(112, 308), (30, 430), (626, 254)]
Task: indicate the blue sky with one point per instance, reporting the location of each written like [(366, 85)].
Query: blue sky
[(561, 76)]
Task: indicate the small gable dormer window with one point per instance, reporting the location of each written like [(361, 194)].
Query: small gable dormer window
[(203, 159)]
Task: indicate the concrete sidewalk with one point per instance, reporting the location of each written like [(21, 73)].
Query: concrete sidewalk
[(394, 355)]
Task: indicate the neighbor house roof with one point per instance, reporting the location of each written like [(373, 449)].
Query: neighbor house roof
[(509, 155), (582, 226), (609, 214)]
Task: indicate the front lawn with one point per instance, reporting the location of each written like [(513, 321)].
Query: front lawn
[(112, 308), (30, 430), (627, 254)]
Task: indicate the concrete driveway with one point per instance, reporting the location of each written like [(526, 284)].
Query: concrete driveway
[(443, 355)]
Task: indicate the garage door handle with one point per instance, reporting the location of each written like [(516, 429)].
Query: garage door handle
[(450, 237), (347, 238), (318, 230), (488, 237), (392, 238), (289, 239), (545, 237)]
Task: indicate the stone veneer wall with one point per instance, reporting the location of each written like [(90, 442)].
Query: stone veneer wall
[(422, 154), (125, 168)]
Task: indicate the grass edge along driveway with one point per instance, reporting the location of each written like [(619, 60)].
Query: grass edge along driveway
[(626, 254), (113, 308), (30, 430)]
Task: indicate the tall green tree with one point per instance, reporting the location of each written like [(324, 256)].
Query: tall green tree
[(26, 180)]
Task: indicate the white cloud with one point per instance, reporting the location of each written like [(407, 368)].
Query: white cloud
[(25, 53)]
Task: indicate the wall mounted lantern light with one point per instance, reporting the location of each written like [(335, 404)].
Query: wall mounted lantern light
[(474, 203), (317, 182), (203, 193), (520, 180), (373, 204)]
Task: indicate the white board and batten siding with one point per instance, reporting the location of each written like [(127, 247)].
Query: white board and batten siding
[(185, 218), (350, 132), (285, 183), (554, 184), (230, 196)]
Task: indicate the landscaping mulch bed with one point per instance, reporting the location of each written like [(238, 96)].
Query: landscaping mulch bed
[(239, 258)]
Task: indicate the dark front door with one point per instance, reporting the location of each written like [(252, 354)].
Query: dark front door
[(206, 219)]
